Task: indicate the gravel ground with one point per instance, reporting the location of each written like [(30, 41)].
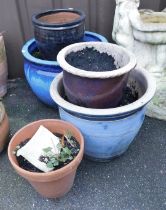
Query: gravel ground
[(135, 181)]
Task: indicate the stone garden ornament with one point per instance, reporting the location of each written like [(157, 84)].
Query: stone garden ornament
[(144, 33)]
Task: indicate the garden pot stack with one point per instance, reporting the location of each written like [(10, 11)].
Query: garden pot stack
[(93, 99), (40, 73), (99, 88), (53, 30), (107, 132), (89, 98)]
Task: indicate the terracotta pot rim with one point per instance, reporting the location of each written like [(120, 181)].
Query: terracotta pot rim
[(118, 111), (53, 175), (93, 74)]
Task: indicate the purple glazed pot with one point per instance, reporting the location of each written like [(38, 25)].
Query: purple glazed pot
[(96, 89)]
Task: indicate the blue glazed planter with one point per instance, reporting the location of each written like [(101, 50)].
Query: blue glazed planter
[(106, 138), (107, 132), (40, 73)]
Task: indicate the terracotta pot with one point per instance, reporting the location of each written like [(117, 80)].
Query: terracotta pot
[(55, 183), (93, 89), (4, 127), (55, 29)]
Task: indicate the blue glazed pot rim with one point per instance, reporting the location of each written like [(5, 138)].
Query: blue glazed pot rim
[(96, 35), (141, 74), (102, 117), (27, 55), (36, 21)]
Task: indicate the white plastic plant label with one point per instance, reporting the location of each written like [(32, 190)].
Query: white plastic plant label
[(33, 149)]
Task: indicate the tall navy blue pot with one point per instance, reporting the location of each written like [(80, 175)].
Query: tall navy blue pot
[(40, 73), (51, 36)]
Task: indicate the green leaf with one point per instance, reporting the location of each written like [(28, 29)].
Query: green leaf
[(63, 159), (70, 158), (49, 165), (67, 150), (59, 146), (50, 154), (46, 150), (52, 160), (56, 163)]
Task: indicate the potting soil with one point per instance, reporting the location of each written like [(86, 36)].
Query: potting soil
[(26, 165), (90, 59)]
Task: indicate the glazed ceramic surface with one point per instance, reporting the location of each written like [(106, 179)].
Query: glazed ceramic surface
[(96, 89), (40, 73), (55, 183), (108, 132), (52, 37), (106, 138)]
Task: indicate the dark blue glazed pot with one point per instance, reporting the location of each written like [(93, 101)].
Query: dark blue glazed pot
[(55, 29), (40, 73)]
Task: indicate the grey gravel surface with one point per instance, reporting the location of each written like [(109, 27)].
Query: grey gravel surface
[(135, 181)]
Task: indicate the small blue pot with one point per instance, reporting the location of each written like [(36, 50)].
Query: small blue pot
[(107, 132), (40, 73)]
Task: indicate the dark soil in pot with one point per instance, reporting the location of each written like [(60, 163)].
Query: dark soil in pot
[(26, 165), (37, 54), (128, 97), (60, 17), (90, 59)]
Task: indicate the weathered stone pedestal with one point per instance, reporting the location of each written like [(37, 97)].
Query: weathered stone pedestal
[(144, 33)]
